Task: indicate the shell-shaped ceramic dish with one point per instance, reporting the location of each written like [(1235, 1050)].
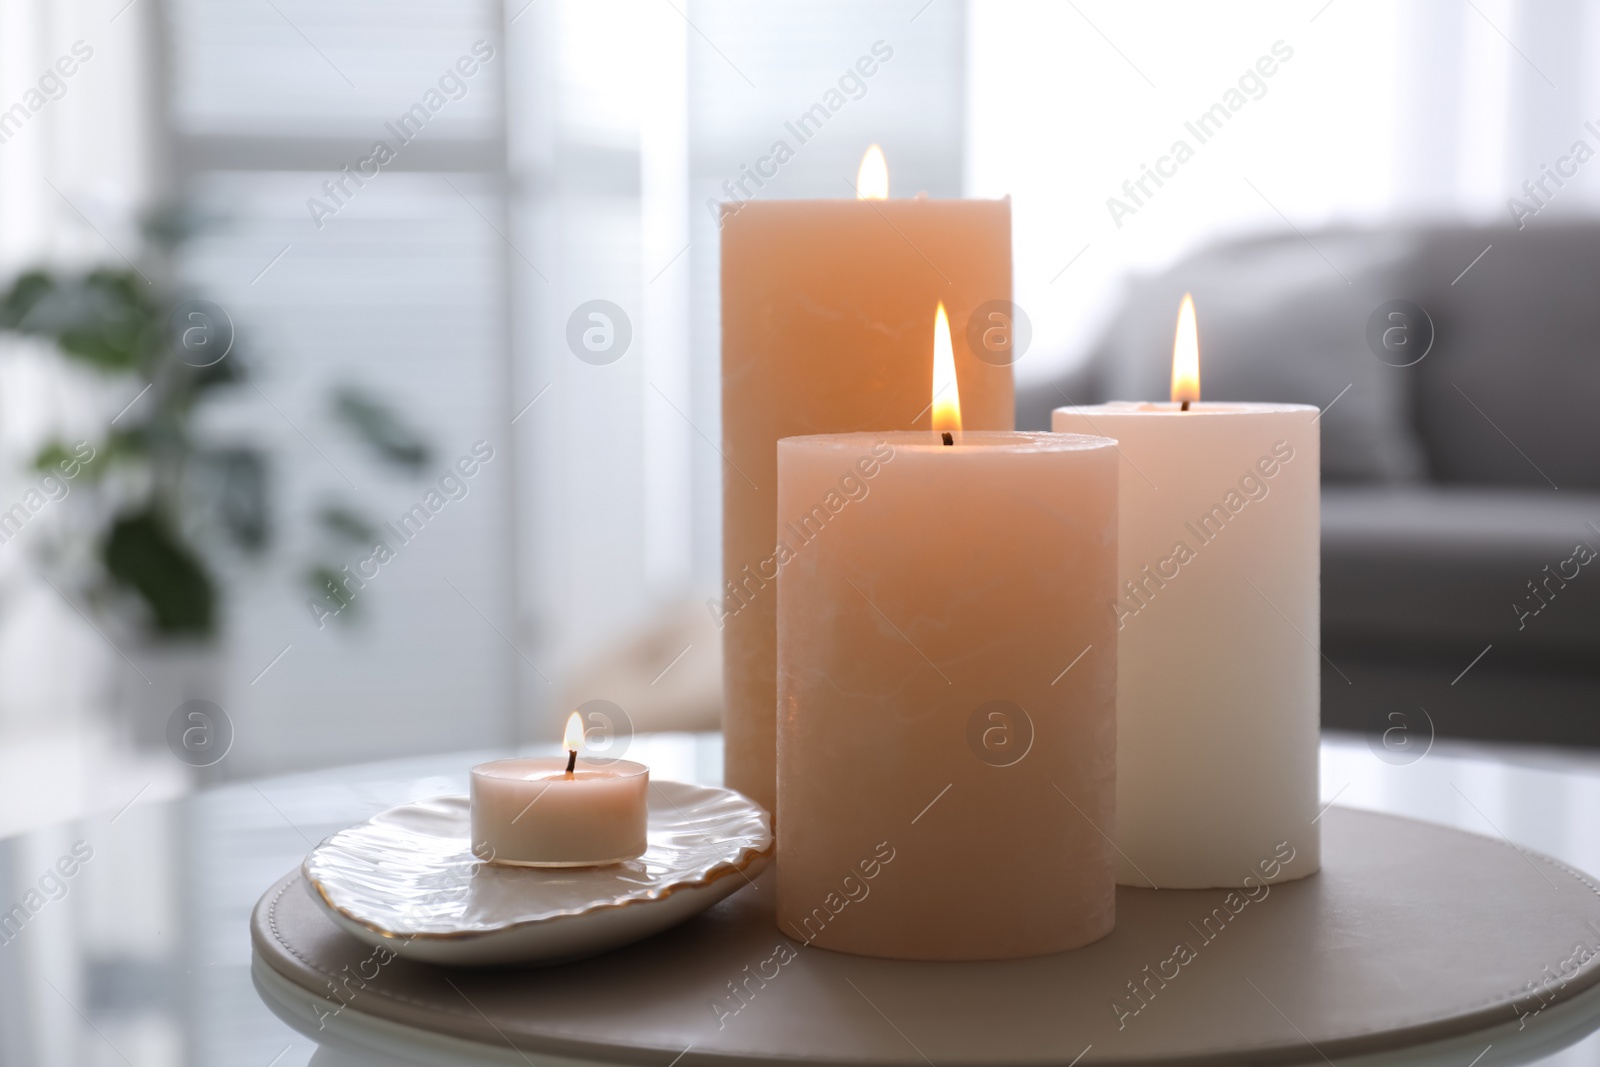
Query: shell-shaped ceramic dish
[(406, 880)]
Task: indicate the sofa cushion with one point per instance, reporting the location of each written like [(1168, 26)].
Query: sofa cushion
[(1509, 394), (1279, 323), (1416, 568)]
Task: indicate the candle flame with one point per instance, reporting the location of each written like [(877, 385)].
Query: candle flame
[(872, 180), (946, 395), (572, 741), (1186, 355)]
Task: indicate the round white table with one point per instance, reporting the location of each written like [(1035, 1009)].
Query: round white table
[(146, 959), (1363, 963)]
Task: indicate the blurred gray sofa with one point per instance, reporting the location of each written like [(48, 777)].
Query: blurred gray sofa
[(1461, 500)]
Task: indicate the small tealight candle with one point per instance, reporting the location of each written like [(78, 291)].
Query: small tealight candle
[(559, 811)]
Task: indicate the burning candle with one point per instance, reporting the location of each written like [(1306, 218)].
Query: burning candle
[(946, 688), (559, 811), (1217, 608), (825, 330)]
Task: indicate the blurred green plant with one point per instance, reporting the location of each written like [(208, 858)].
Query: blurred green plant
[(168, 503)]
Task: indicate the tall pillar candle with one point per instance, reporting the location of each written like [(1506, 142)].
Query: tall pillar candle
[(1217, 620), (946, 693), (826, 307)]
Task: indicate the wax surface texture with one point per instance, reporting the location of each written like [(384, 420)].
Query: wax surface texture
[(531, 812), (827, 316), (947, 685), (1218, 601)]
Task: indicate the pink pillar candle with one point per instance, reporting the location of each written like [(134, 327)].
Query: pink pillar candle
[(826, 313), (946, 693)]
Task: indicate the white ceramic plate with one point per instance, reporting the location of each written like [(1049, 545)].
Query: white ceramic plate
[(406, 880)]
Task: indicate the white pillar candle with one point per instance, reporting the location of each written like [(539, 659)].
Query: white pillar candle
[(559, 811), (1217, 606), (946, 692)]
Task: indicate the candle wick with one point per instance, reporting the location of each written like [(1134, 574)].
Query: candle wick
[(572, 759), (949, 439), (1185, 406)]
